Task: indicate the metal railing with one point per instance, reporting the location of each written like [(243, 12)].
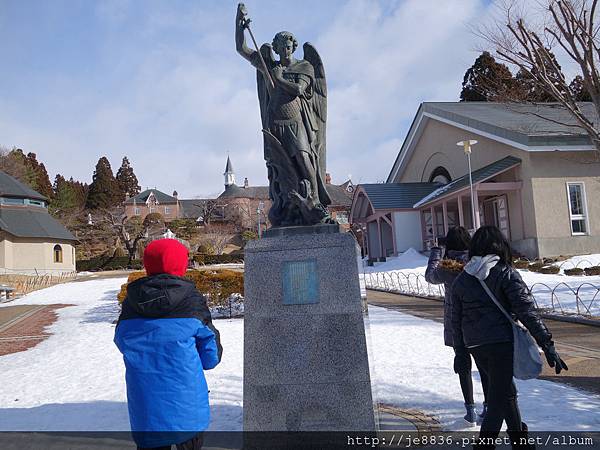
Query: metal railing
[(24, 284), (582, 299)]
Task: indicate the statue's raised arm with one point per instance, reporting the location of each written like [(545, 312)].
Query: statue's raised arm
[(241, 23), (293, 105)]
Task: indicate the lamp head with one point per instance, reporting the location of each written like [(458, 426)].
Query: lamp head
[(467, 145)]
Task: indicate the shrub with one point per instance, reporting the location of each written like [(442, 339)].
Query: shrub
[(107, 263), (575, 271), (218, 285), (536, 266), (521, 264), (452, 265), (549, 270), (249, 235), (594, 270), (206, 259)]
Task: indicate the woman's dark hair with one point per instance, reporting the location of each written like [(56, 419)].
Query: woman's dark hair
[(458, 239), (489, 240)]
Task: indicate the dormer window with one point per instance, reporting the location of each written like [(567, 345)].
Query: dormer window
[(151, 200)]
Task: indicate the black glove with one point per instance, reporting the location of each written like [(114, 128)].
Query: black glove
[(462, 360), (553, 358)]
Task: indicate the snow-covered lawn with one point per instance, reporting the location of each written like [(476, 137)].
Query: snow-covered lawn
[(560, 293), (75, 379)]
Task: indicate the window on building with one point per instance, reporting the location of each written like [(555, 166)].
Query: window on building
[(151, 209), (341, 217), (35, 202), (136, 211), (58, 254), (577, 208), (167, 210), (13, 201)]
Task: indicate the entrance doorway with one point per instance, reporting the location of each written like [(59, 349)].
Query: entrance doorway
[(495, 212)]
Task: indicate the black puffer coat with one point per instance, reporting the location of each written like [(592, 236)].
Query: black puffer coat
[(476, 320), (436, 274)]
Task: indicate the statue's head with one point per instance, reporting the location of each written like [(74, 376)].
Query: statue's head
[(284, 44)]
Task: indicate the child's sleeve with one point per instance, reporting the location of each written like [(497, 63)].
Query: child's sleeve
[(206, 344)]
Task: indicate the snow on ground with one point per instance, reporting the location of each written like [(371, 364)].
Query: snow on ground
[(74, 380), (561, 293), (414, 370)]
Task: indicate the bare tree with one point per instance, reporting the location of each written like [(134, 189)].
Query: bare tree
[(568, 25), (217, 237), (208, 209), (129, 231)]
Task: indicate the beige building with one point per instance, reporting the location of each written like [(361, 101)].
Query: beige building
[(538, 180), (31, 241)]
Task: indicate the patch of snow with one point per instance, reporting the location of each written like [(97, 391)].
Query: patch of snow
[(75, 380), (581, 261), (413, 369), (557, 292)]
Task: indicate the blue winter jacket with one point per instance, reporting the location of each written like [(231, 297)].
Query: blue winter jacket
[(166, 336)]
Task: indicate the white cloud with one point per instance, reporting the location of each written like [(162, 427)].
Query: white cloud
[(175, 97)]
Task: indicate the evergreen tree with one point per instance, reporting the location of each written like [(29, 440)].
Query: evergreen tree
[(530, 90), (104, 191), (578, 90), (13, 163), (128, 182), (486, 80), (65, 196)]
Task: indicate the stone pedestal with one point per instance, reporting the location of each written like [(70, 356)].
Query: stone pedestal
[(305, 353)]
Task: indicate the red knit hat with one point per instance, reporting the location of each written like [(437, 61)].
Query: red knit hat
[(166, 256)]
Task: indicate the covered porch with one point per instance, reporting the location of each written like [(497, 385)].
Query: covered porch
[(384, 213), (497, 193)]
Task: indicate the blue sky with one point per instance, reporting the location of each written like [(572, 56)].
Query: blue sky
[(160, 82)]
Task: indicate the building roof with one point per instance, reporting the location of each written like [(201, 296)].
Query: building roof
[(161, 197), (397, 195), (478, 176), (527, 127), (252, 192), (339, 194), (527, 124), (32, 222), (228, 166), (194, 208), (11, 187)]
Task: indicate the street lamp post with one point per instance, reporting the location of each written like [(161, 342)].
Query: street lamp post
[(467, 149), (259, 210)]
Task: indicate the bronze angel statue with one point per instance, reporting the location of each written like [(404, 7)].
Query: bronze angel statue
[(293, 106)]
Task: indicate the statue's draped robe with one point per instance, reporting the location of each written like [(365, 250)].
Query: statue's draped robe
[(292, 122)]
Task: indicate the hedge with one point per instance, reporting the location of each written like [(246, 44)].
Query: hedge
[(594, 270), (549, 270), (536, 266), (206, 259), (575, 271), (218, 285), (107, 263), (521, 264)]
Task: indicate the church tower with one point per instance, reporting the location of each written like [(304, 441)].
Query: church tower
[(229, 175)]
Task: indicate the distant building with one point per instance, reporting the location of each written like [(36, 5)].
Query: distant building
[(31, 240), (537, 180), (246, 203), (242, 206)]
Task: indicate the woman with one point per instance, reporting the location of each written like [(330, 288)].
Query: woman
[(445, 271), (479, 326)]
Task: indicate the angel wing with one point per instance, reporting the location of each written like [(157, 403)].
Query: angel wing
[(319, 107), (263, 89)]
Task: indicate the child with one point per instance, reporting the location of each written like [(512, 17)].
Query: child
[(166, 335)]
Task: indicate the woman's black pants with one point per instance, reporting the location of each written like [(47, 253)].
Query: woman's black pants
[(495, 363)]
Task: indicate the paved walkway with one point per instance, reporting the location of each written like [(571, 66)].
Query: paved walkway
[(24, 326), (578, 345)]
